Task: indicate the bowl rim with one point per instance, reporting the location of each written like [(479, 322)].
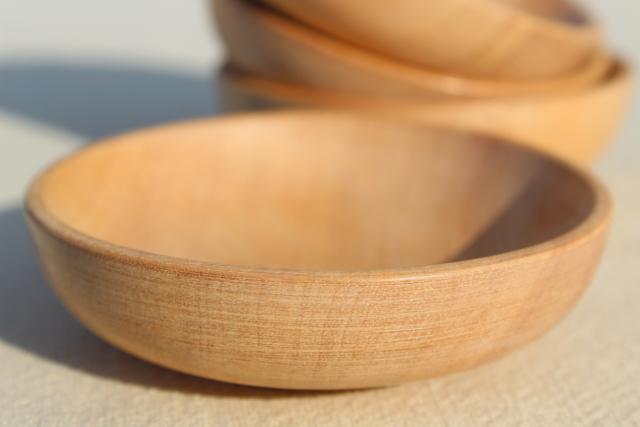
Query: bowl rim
[(595, 221), (593, 68), (586, 23), (619, 74)]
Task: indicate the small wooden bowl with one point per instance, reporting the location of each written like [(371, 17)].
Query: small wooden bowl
[(499, 39), (264, 43), (575, 126), (316, 250)]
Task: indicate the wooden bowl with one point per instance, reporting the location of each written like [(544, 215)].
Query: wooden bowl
[(267, 44), (575, 126), (316, 250), (500, 39)]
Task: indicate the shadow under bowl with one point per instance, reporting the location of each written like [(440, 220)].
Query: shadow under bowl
[(316, 250)]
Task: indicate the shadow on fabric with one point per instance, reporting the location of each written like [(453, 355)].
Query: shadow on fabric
[(96, 100)]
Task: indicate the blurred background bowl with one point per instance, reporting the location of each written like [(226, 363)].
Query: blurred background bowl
[(268, 44), (576, 125), (492, 39)]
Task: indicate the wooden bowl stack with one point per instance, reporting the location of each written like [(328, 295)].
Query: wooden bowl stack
[(343, 249), (533, 71)]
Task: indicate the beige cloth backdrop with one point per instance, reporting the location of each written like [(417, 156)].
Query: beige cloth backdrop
[(74, 70)]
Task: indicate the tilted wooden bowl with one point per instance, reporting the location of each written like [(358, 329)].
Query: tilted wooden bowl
[(502, 39), (262, 42), (316, 250), (575, 126)]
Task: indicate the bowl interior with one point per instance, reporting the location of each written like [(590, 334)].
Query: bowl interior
[(314, 191)]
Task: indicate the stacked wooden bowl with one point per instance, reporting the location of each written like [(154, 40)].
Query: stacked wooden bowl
[(345, 249), (532, 71)]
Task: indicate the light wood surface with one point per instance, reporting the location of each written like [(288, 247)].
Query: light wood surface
[(316, 250), (265, 43), (504, 39), (575, 126)]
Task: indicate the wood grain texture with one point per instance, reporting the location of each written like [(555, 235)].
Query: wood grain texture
[(316, 250), (575, 126), (501, 39), (265, 43)]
